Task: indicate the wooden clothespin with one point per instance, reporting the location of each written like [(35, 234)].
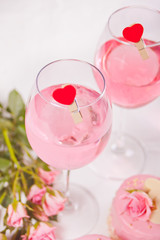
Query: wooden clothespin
[(67, 95), (75, 112), (133, 34), (141, 48)]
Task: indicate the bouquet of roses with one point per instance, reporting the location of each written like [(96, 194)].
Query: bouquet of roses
[(29, 202)]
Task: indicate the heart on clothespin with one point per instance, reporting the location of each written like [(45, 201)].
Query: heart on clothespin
[(133, 34), (67, 96)]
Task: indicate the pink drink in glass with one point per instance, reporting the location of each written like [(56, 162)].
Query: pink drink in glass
[(55, 137), (132, 81)]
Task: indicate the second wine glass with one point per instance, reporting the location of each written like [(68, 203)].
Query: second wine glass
[(133, 82)]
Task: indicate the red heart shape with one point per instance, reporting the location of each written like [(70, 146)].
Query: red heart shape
[(65, 95), (133, 33)]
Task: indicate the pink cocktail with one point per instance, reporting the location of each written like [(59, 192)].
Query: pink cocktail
[(55, 137), (64, 144), (132, 81)]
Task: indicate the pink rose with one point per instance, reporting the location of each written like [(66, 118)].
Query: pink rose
[(42, 232), (15, 218), (35, 194), (53, 204), (47, 176), (39, 213), (138, 205)]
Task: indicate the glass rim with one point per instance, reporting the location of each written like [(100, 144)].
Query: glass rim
[(63, 106), (127, 7)]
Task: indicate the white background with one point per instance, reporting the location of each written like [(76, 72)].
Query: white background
[(36, 32)]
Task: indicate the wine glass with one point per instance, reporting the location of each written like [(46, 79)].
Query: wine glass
[(132, 81), (64, 144)]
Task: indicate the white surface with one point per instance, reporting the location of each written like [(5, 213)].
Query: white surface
[(36, 32)]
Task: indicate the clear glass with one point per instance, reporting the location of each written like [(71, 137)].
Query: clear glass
[(132, 81), (62, 143)]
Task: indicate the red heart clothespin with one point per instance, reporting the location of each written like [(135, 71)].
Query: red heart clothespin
[(134, 34), (66, 95)]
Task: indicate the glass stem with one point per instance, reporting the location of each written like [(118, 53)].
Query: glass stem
[(67, 193), (118, 146)]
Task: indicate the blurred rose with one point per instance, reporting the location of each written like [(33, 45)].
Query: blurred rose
[(48, 176), (53, 204), (15, 218), (35, 194), (39, 214), (42, 232), (138, 205)]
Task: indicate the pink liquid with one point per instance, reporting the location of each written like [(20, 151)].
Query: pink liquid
[(57, 140), (132, 81)]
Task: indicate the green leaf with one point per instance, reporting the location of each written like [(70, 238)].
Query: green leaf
[(28, 207), (4, 164), (21, 129), (45, 166), (15, 103), (2, 196), (21, 134), (24, 182), (54, 218), (14, 204), (4, 123), (36, 225), (16, 235), (49, 224), (28, 230), (50, 191), (7, 200), (4, 155), (3, 237), (133, 190), (1, 185)]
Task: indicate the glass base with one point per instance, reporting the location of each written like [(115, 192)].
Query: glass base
[(79, 216), (123, 157)]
